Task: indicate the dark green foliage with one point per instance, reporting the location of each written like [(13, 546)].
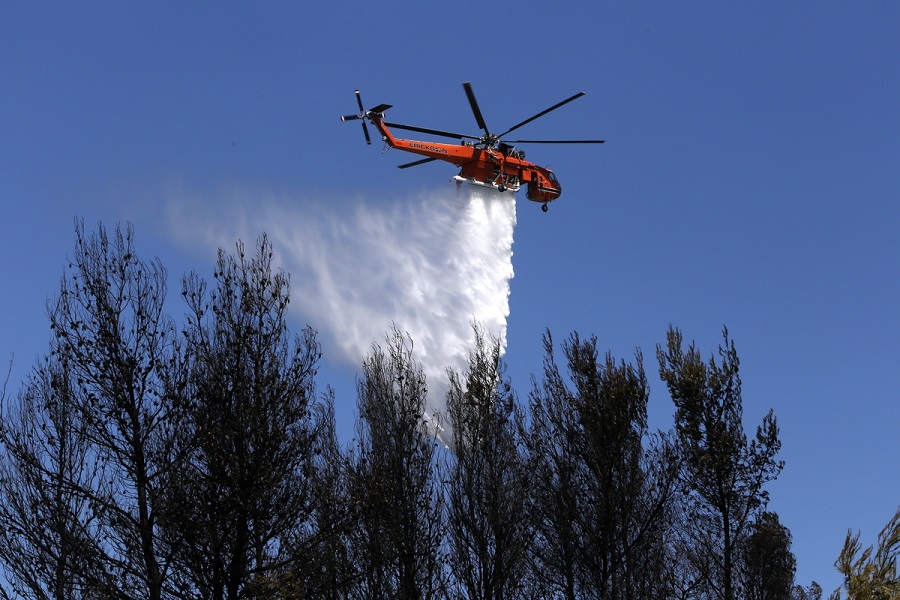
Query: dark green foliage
[(813, 592), (767, 564), (557, 498), (393, 483), (250, 428), (724, 473), (600, 506), (487, 483), (320, 564)]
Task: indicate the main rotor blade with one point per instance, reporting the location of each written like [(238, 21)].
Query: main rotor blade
[(555, 141), (474, 104), (416, 163), (448, 134), (542, 113)]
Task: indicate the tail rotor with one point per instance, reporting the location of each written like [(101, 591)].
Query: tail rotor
[(365, 115)]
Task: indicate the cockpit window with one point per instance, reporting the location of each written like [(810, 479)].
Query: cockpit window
[(551, 176)]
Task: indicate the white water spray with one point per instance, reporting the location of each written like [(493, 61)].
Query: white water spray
[(429, 266)]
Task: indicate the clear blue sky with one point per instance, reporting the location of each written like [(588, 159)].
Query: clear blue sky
[(750, 179)]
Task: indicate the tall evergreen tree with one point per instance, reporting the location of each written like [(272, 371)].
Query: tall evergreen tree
[(630, 476), (250, 432), (397, 542), (613, 480), (111, 333), (487, 480), (557, 498), (724, 473)]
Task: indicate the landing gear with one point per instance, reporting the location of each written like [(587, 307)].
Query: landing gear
[(544, 207), (501, 188)]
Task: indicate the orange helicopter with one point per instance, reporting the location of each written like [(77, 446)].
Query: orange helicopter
[(485, 160)]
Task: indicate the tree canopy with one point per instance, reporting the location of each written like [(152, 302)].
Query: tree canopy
[(145, 457)]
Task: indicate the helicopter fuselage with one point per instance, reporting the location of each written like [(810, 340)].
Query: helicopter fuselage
[(502, 168), (486, 160)]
